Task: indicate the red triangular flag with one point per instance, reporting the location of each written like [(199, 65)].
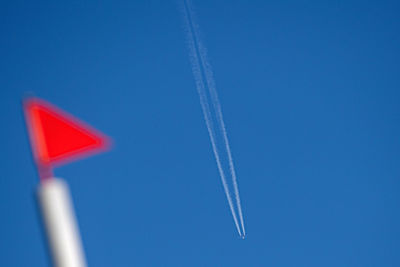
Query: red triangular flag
[(57, 137)]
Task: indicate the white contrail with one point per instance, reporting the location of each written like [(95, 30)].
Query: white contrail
[(196, 68), (217, 107), (203, 74)]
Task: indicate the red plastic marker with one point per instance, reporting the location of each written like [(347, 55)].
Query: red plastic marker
[(57, 138)]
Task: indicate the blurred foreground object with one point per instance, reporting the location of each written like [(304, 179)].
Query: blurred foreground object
[(57, 138)]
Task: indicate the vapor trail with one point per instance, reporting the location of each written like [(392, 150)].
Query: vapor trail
[(211, 107)]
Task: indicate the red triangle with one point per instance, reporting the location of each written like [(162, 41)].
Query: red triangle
[(56, 136)]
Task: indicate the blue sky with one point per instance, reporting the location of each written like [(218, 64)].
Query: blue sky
[(310, 94)]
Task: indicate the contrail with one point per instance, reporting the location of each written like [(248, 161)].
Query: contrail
[(211, 107)]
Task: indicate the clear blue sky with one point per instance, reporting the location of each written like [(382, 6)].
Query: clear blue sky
[(310, 95)]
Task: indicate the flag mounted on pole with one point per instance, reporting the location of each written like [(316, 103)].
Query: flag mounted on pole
[(56, 138)]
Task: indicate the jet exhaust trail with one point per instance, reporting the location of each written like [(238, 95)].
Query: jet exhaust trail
[(212, 112)]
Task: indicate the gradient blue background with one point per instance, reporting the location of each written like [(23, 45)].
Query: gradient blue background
[(310, 95)]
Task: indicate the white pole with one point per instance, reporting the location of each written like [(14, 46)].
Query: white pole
[(61, 225)]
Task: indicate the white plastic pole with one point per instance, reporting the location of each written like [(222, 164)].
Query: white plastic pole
[(60, 223)]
